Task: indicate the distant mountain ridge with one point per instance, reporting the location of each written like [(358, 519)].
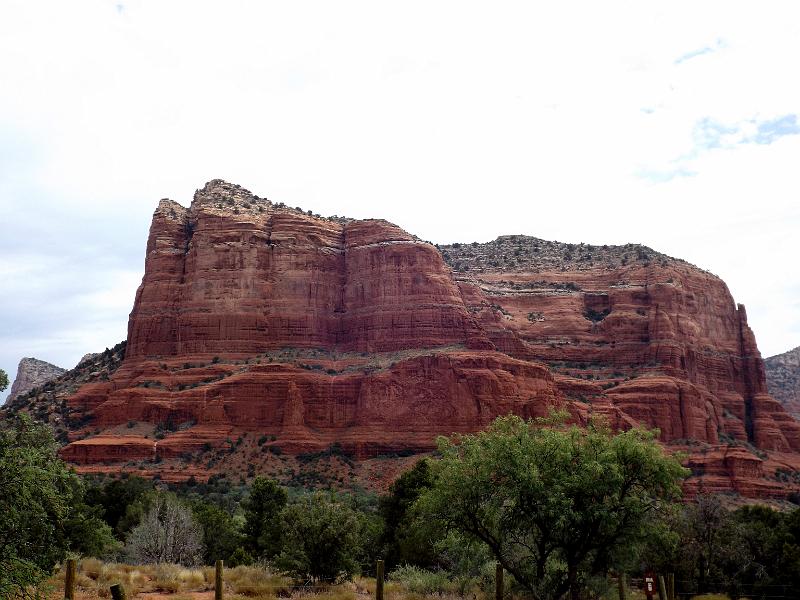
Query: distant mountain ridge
[(783, 379), (31, 373)]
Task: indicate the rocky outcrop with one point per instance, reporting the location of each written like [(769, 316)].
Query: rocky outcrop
[(655, 337), (319, 336), (783, 379), (32, 373), (48, 401), (234, 274)]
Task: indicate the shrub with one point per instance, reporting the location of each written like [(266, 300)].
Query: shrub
[(262, 508), (529, 491), (167, 534), (422, 581), (42, 506), (240, 557), (321, 539)]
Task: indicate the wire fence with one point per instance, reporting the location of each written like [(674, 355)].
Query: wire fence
[(667, 588)]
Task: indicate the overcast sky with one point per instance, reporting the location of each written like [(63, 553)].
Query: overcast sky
[(672, 124)]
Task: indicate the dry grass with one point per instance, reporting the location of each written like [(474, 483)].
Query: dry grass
[(173, 582), (174, 578), (94, 579), (256, 582)]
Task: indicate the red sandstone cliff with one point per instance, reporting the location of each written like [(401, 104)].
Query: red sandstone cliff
[(313, 333)]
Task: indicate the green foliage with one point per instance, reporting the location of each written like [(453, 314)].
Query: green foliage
[(555, 505), (85, 528), (321, 539), (262, 509), (752, 551), (221, 532), (239, 557), (422, 581), (469, 562), (42, 512), (120, 501), (3, 380), (405, 540)]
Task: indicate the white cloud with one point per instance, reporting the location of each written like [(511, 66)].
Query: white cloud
[(456, 120)]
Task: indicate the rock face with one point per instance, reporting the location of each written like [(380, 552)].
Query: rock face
[(32, 373), (783, 379), (48, 402), (254, 320), (658, 338)]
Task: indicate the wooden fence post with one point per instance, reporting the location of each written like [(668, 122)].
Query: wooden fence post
[(662, 589), (379, 581), (118, 592), (621, 586), (498, 582), (69, 580), (218, 580)]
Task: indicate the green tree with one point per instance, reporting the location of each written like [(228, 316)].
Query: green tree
[(404, 541), (262, 508), (121, 501), (3, 380), (41, 508), (221, 533), (788, 567), (557, 505), (84, 528), (321, 539)]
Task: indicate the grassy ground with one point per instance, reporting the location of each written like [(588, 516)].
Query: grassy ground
[(161, 582), (172, 582)]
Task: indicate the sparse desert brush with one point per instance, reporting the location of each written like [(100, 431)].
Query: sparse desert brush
[(83, 581), (131, 578), (209, 573), (422, 581), (175, 578), (337, 592), (90, 567), (365, 585), (256, 582)]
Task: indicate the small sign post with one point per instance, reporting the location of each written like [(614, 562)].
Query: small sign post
[(649, 585)]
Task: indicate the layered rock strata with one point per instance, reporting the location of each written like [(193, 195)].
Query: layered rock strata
[(254, 320)]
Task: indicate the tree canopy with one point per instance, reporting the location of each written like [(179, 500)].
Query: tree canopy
[(42, 511), (321, 540), (3, 380), (403, 541), (557, 505), (262, 508)]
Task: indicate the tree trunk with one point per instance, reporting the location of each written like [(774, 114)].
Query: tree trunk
[(572, 577)]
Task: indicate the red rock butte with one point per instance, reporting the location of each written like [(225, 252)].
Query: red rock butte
[(258, 319)]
